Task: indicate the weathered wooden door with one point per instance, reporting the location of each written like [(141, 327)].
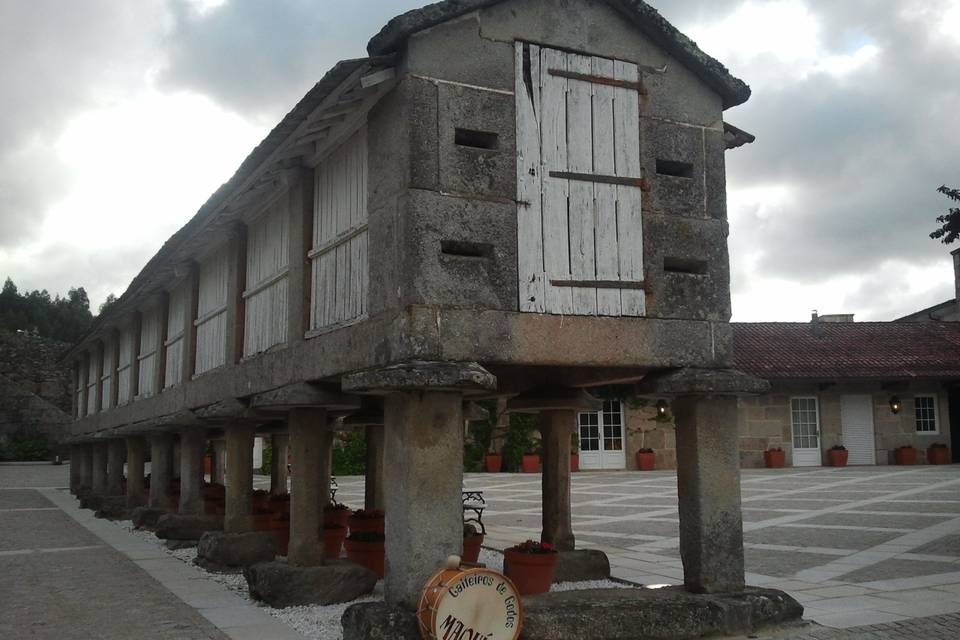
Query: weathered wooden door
[(579, 231)]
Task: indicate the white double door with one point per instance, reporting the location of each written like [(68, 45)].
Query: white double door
[(601, 438)]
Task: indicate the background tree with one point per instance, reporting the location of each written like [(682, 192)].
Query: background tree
[(950, 221), (65, 319)]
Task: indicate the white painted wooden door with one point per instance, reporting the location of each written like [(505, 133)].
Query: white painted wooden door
[(601, 438), (579, 232), (856, 420), (805, 427)]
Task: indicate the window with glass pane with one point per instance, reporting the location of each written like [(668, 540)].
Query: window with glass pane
[(612, 426), (926, 411), (589, 432), (805, 420)]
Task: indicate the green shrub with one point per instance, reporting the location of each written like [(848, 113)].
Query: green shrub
[(27, 450), (519, 439), (478, 441), (350, 454), (266, 462)]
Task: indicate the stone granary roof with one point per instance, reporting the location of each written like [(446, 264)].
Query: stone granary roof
[(826, 351), (647, 19)]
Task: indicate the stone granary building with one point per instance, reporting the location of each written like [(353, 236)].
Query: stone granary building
[(520, 199)]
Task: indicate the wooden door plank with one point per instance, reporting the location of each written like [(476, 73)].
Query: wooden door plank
[(580, 160), (605, 195), (529, 208), (629, 223)]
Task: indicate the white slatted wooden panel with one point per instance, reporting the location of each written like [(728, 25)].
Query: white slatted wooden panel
[(572, 229), (268, 242), (149, 352), (125, 367), (92, 376), (176, 312), (211, 312), (856, 422), (81, 391), (339, 255), (106, 381)]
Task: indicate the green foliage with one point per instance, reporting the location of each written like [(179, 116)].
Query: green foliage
[(480, 435), (106, 304), (519, 439), (350, 454), (950, 221), (27, 450), (64, 319), (266, 459)]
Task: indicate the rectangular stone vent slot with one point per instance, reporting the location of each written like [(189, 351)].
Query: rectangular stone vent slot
[(675, 169), (460, 249), (685, 266), (476, 139)]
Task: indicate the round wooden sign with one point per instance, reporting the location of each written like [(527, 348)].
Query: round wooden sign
[(469, 604)]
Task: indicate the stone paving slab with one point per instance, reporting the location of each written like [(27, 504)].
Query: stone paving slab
[(42, 530), (23, 499)]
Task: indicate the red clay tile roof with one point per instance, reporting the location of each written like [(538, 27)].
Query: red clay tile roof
[(848, 350)]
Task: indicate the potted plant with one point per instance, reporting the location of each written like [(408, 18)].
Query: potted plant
[(366, 549), (280, 504), (493, 462), (280, 528), (574, 452), (646, 459), (838, 455), (363, 521), (774, 458), (472, 539), (531, 566), (938, 453), (531, 462), (905, 455), (333, 536), (337, 513)]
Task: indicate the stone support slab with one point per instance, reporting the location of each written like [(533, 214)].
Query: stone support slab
[(238, 517), (373, 487), (708, 484), (279, 445), (556, 428), (136, 459), (424, 517), (310, 443), (116, 456), (98, 482), (192, 444), (161, 470)]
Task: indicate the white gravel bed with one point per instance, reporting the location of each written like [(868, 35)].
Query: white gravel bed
[(494, 560)]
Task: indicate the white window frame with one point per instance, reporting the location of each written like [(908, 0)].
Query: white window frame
[(816, 403), (936, 415)]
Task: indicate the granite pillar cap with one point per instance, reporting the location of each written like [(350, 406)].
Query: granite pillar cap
[(555, 399), (463, 377), (304, 395), (707, 382)]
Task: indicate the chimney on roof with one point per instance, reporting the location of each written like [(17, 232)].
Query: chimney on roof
[(833, 317)]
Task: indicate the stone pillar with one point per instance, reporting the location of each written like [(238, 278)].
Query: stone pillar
[(708, 484), (424, 513), (219, 470), (279, 443), (116, 455), (373, 487), (75, 468), (99, 479), (555, 429), (192, 444), (86, 467), (161, 470), (238, 517), (136, 457), (175, 459), (310, 443)]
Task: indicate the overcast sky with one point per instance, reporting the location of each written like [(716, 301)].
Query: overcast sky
[(120, 118)]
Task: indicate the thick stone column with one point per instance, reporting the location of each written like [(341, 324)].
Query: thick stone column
[(99, 479), (86, 467), (161, 470), (238, 517), (175, 459), (192, 444), (424, 433), (708, 483), (75, 468), (116, 455), (310, 442), (373, 487), (136, 459), (555, 430), (279, 443), (219, 470)]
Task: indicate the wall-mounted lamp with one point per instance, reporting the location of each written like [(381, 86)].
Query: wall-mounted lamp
[(895, 405), (662, 407)]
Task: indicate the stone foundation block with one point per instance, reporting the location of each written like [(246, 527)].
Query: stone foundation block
[(607, 614), (280, 584), (91, 501), (173, 526), (218, 551), (146, 517), (113, 508), (174, 545), (581, 565)]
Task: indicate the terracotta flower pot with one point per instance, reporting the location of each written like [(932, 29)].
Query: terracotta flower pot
[(207, 464), (263, 520), (365, 525), (530, 464), (337, 516), (494, 462), (333, 537), (838, 457), (366, 554), (774, 459), (280, 505), (938, 455), (530, 572), (905, 455), (646, 461), (574, 462), (471, 548)]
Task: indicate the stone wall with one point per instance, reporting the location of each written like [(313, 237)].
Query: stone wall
[(34, 388), (642, 430)]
